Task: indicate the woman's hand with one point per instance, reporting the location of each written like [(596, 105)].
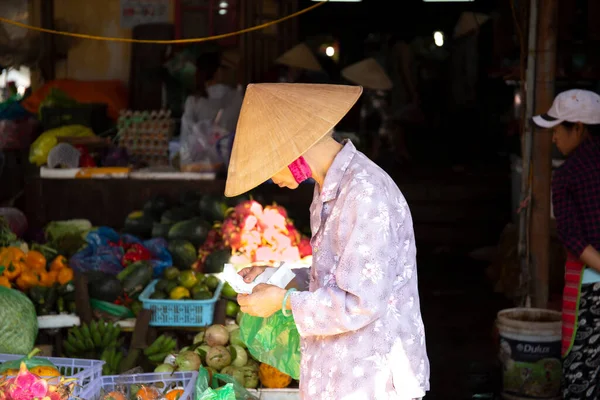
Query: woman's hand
[(264, 301), (250, 273)]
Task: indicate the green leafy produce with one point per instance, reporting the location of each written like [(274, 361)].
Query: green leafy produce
[(7, 236), (67, 237), (19, 327)]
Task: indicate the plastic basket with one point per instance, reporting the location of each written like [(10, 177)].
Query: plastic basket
[(179, 313), (87, 372), (181, 380)]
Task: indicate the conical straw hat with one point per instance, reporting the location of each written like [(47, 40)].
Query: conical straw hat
[(278, 123), (300, 56), (369, 74), (468, 22)]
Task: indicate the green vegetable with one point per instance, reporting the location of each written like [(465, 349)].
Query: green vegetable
[(104, 286), (19, 327), (183, 252), (138, 279), (7, 236), (216, 260), (194, 230), (68, 236)]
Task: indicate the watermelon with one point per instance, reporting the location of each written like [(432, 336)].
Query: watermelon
[(194, 230), (183, 252), (216, 260)]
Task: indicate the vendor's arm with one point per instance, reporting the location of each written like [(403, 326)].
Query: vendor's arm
[(370, 237), (567, 224)]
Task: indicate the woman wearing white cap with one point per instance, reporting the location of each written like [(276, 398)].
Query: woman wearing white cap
[(575, 122), (360, 322)]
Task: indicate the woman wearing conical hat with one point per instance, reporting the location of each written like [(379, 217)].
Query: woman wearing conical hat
[(360, 321), (296, 63)]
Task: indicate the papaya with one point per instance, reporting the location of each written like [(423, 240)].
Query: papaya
[(44, 367)]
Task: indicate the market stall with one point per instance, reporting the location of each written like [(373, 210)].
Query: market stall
[(144, 312)]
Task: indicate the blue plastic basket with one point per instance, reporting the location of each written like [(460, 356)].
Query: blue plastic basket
[(179, 313), (87, 372), (162, 381)]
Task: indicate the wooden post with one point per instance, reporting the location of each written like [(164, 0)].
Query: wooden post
[(542, 152), (48, 66)]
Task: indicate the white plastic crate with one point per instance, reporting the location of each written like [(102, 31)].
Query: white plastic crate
[(85, 371), (182, 380)]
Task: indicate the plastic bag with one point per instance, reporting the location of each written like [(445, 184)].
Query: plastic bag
[(98, 255), (38, 152), (231, 391), (273, 340), (200, 146)]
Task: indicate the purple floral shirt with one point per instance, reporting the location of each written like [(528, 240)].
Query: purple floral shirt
[(360, 322)]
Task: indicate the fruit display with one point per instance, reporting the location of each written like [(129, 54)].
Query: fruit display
[(48, 283), (218, 349), (253, 233), (35, 365), (91, 341), (144, 392), (27, 385), (185, 285), (160, 349)]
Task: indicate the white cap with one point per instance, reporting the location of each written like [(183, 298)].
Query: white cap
[(572, 106)]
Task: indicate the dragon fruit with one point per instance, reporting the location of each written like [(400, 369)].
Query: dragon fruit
[(26, 386), (304, 247), (256, 234)]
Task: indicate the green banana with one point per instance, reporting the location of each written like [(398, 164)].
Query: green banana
[(117, 362), (107, 334), (158, 358), (77, 333), (87, 335), (156, 346), (69, 348), (171, 344), (76, 343), (101, 327), (96, 335)]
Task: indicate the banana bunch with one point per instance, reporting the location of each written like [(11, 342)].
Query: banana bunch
[(160, 349), (89, 341), (112, 361)]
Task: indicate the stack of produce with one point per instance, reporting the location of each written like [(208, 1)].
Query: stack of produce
[(185, 285), (48, 284), (28, 385), (98, 340), (144, 392), (123, 288), (219, 349), (255, 233)]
